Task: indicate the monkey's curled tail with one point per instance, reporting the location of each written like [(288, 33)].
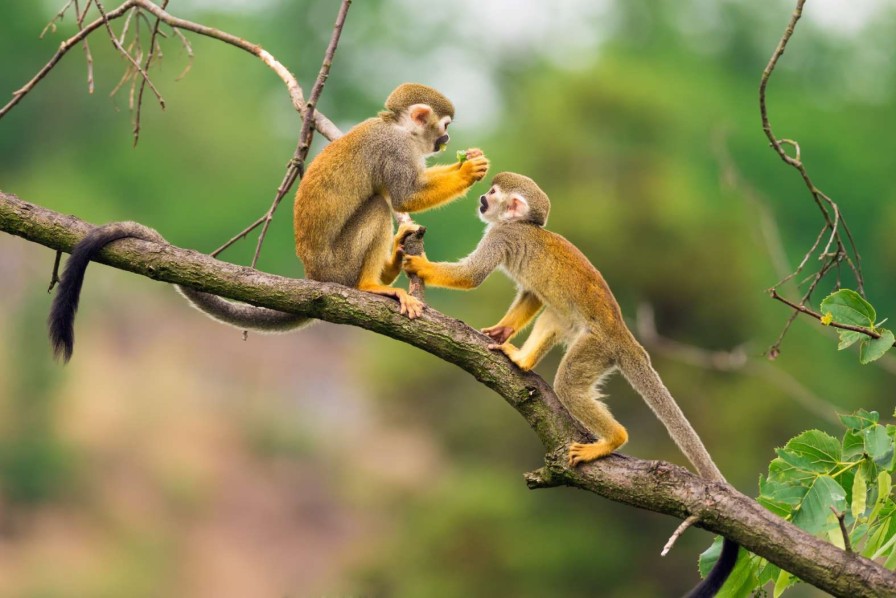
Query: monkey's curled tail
[(65, 302), (637, 369)]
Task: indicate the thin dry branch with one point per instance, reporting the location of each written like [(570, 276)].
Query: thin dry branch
[(811, 312), (296, 167), (653, 485), (149, 58), (121, 50), (321, 122), (64, 47), (840, 247)]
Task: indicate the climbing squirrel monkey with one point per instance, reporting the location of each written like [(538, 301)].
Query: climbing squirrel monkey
[(342, 217), (577, 309)]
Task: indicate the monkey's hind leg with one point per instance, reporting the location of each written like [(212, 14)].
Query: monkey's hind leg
[(583, 367), (545, 334), (375, 265)]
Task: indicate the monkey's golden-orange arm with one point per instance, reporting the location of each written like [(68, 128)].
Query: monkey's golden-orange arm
[(524, 307), (450, 276), (521, 311), (442, 184)]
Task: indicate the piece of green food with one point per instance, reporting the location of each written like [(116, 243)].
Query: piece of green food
[(461, 156)]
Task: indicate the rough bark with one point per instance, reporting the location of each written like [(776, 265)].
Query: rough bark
[(652, 485)]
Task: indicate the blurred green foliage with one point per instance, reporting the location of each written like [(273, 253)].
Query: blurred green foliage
[(631, 133)]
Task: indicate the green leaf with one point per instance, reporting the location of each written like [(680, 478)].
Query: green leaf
[(786, 493), (848, 307), (812, 451), (853, 445), (875, 348), (848, 338), (742, 580), (859, 494), (708, 557), (813, 512), (784, 581), (861, 419), (878, 444), (884, 486)]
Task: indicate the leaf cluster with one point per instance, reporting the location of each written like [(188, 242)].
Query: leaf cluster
[(816, 480)]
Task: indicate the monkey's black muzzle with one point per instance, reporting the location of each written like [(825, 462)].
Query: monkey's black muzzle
[(483, 204), (441, 142)]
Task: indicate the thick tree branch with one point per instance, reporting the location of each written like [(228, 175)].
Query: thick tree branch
[(652, 485)]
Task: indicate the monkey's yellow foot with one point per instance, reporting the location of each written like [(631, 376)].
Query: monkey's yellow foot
[(513, 354), (409, 306), (498, 333), (583, 453)]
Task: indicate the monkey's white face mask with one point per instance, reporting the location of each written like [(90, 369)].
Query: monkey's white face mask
[(498, 206)]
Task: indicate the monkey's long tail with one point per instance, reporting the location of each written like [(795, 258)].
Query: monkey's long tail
[(637, 369), (61, 321), (243, 315)]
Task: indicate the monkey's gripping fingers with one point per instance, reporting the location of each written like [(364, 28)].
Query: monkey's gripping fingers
[(584, 453), (410, 306), (499, 334), (512, 353), (415, 264), (474, 169), (473, 152)]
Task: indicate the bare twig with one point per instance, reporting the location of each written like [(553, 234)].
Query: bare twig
[(847, 545), (51, 26), (810, 312), (691, 520), (840, 247), (296, 167), (321, 122), (64, 47), (126, 54), (88, 56), (146, 65), (54, 278)]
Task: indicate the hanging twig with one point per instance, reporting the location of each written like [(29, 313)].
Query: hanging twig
[(146, 65), (840, 247), (296, 167)]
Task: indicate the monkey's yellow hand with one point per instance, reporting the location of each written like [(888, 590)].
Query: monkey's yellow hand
[(416, 264), (499, 334), (475, 167)]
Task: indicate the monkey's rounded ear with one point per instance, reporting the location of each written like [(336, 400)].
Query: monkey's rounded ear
[(517, 207), (420, 113)]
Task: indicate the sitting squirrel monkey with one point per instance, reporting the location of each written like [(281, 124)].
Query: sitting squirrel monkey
[(342, 217), (579, 311)]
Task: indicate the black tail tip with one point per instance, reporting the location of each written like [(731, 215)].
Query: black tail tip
[(62, 342)]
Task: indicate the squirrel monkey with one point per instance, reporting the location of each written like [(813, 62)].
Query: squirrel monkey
[(580, 311), (342, 217)]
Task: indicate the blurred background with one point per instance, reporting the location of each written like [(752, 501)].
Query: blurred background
[(171, 458)]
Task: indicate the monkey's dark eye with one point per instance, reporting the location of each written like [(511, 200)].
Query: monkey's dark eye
[(491, 191)]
